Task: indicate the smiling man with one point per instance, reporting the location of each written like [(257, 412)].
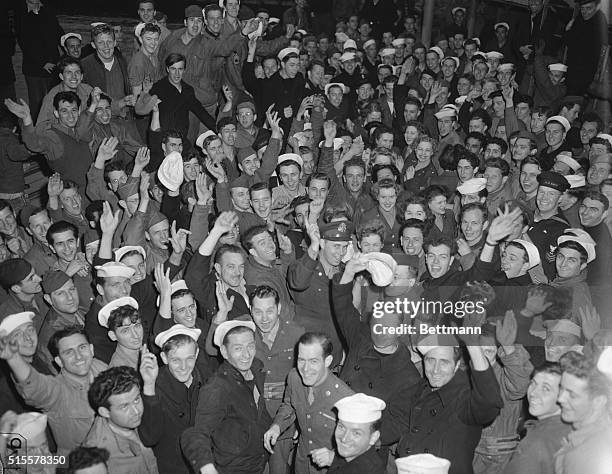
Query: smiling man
[(22, 284), (312, 390)]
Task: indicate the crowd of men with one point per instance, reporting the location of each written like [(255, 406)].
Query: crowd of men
[(272, 246)]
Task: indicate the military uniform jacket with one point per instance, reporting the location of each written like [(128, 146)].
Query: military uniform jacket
[(367, 463), (544, 235), (317, 421), (448, 422)]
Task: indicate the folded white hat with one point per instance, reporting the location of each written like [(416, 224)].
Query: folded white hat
[(258, 32), (349, 56), (170, 172), (604, 363), (336, 84), (446, 111), (502, 24), (460, 100), (114, 269), (438, 51), (381, 266), (302, 32), (307, 126), (291, 156), (605, 136), (455, 60), (560, 119), (494, 55), (349, 44), (338, 142), (398, 42), (69, 35), (472, 186), (138, 29), (576, 180), (273, 20), (203, 136), (162, 337), (533, 254), (582, 238), (97, 23), (566, 157), (106, 310), (121, 251), (422, 464), (226, 326), (360, 408), (286, 52), (13, 321), (174, 287), (562, 325), (32, 426), (456, 9), (559, 67), (505, 67), (369, 43), (387, 52)]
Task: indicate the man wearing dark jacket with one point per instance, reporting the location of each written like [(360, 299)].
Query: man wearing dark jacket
[(231, 417)]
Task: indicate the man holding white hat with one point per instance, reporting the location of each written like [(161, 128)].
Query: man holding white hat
[(170, 395), (64, 397), (450, 407), (356, 433), (236, 389)]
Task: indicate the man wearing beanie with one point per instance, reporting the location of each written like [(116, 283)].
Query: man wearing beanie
[(22, 283)]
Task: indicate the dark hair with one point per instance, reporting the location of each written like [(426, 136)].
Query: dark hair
[(597, 195), (53, 344), (288, 163), (84, 457), (120, 314), (61, 226), (474, 206), (412, 223), (298, 201), (227, 248), (593, 117), (447, 159), (433, 191), (547, 368), (174, 58), (500, 164), (102, 29), (172, 133), (419, 200), (66, 96), (7, 119), (150, 28), (530, 160), (498, 141), (319, 177), (264, 291), (212, 7), (371, 227), (481, 137), (236, 330), (378, 168), (177, 341), (251, 233), (93, 208), (601, 141), (520, 246), (113, 381), (66, 61), (441, 240), (180, 293), (259, 187), (483, 115), (317, 338), (225, 121), (353, 162), (382, 130), (573, 245), (585, 368)]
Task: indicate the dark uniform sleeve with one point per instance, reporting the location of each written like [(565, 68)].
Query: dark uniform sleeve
[(484, 402)]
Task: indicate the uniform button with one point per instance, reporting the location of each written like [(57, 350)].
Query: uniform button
[(328, 393), (269, 357), (426, 450), (309, 430), (433, 412), (357, 367), (310, 441), (370, 385), (415, 430), (308, 416), (320, 274)]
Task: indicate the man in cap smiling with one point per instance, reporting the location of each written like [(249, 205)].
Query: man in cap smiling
[(22, 283)]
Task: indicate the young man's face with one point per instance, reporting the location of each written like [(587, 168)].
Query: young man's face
[(542, 394), (513, 261), (438, 260), (264, 247), (240, 198), (175, 72), (465, 170), (318, 189), (158, 235), (440, 366), (114, 288), (495, 179), (528, 178), (371, 243), (568, 263), (30, 285), (26, 338), (65, 245), (75, 354), (103, 112), (333, 252), (587, 131), (261, 201), (232, 7), (412, 241), (126, 409), (73, 47), (312, 365), (575, 400), (445, 126), (555, 134), (67, 113), (194, 26), (231, 268), (354, 439), (129, 334), (556, 77), (547, 199), (290, 176), (116, 178), (146, 12), (38, 225), (265, 313), (66, 298), (191, 169), (538, 121), (181, 361), (473, 225), (572, 113), (474, 145), (71, 77), (150, 41), (597, 173), (240, 350), (591, 212), (214, 21), (8, 223), (137, 263), (71, 201), (184, 310), (228, 134), (354, 177), (104, 45), (521, 148), (172, 144)]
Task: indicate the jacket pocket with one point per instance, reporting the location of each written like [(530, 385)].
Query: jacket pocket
[(232, 437)]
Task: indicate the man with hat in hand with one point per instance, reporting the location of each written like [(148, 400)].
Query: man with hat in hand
[(24, 291), (231, 417), (356, 433), (309, 278), (549, 221)]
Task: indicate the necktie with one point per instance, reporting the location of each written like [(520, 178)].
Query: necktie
[(310, 396)]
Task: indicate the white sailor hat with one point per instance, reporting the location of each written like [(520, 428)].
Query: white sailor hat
[(438, 51), (360, 408), (302, 32), (566, 157), (226, 326), (582, 238), (562, 325), (455, 60), (348, 56), (472, 186), (459, 101), (170, 172), (138, 29), (114, 269), (32, 426), (106, 310), (162, 337), (338, 142), (576, 181), (307, 126), (505, 67), (369, 43), (336, 84), (174, 287), (121, 251), (13, 321), (69, 35), (97, 23), (349, 44), (604, 363), (605, 136), (422, 464), (431, 341), (203, 136), (386, 52), (381, 266), (560, 67), (456, 9), (287, 51), (560, 119), (502, 24), (397, 42), (290, 156), (533, 255), (494, 55), (273, 20), (448, 110)]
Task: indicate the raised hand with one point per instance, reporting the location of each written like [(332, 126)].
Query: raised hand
[(149, 369), (55, 186), (590, 322), (503, 224), (143, 188), (250, 26), (224, 303), (96, 93), (215, 169), (143, 156), (274, 122), (203, 188), (178, 238), (505, 332), (463, 248), (226, 221), (284, 242), (536, 302), (315, 236), (290, 31), (9, 348), (21, 109), (162, 280), (109, 221), (107, 149)]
